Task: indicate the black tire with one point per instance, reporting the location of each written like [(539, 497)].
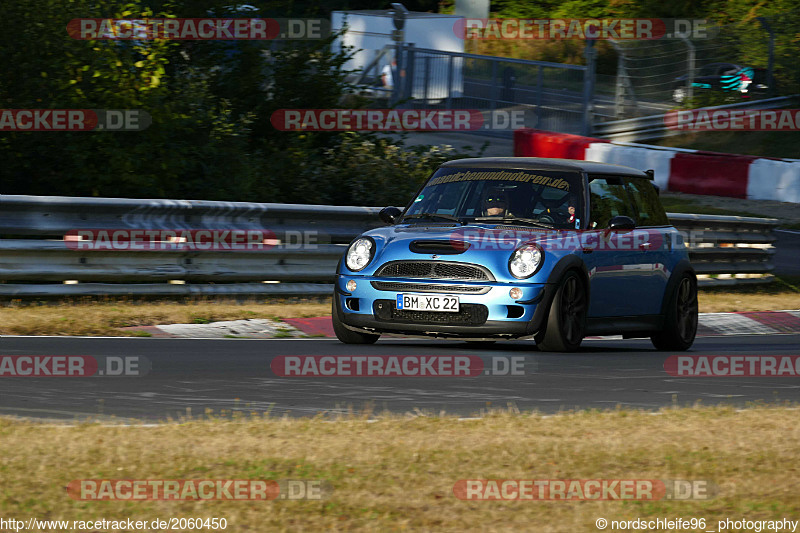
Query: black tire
[(348, 336), (680, 320), (566, 321)]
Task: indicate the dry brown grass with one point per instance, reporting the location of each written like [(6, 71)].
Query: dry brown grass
[(104, 318), (398, 473), (782, 294), (736, 302)]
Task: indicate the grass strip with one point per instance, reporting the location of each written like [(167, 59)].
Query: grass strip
[(398, 473)]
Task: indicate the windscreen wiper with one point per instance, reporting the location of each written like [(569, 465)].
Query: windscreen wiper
[(513, 220), (434, 215)]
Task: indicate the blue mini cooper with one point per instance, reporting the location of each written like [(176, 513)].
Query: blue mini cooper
[(504, 248)]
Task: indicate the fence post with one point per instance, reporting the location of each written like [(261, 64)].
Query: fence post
[(691, 58), (397, 78), (427, 77), (493, 96), (771, 58), (588, 86), (539, 88), (449, 102), (624, 92), (411, 58)]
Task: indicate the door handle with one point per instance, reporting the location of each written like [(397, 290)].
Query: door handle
[(645, 246)]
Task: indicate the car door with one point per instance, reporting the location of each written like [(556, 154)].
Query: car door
[(650, 244), (609, 255)]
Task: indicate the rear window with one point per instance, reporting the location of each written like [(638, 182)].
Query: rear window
[(647, 207)]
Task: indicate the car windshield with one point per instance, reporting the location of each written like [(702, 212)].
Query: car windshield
[(486, 195)]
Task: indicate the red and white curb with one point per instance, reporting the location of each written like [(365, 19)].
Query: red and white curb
[(676, 169), (710, 325), (255, 328)]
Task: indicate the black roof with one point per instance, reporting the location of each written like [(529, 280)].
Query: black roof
[(545, 163)]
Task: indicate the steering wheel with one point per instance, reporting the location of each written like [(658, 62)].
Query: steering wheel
[(547, 219)]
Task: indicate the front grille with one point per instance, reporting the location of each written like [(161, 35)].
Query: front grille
[(434, 270), (426, 287), (468, 315)]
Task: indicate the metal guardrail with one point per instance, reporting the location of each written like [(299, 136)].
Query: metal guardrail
[(36, 261), (653, 126), (727, 246)]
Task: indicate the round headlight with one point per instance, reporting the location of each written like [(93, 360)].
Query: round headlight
[(360, 254), (525, 261)]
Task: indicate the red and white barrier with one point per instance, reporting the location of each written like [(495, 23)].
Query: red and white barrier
[(689, 171)]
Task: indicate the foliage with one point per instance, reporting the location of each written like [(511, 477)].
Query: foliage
[(211, 102)]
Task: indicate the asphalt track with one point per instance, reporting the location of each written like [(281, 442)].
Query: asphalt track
[(231, 375)]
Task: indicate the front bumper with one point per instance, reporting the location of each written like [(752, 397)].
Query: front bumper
[(490, 313)]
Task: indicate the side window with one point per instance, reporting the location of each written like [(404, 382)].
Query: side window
[(649, 210), (608, 198)]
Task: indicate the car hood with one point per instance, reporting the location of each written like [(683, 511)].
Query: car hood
[(487, 245), (470, 243)]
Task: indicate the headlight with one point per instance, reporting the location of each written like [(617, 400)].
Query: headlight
[(525, 261), (360, 254)]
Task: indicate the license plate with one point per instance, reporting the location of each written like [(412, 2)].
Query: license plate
[(427, 302)]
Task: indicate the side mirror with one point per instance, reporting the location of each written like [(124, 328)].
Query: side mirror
[(621, 222), (389, 215)]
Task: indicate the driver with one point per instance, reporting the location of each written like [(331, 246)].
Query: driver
[(495, 203)]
